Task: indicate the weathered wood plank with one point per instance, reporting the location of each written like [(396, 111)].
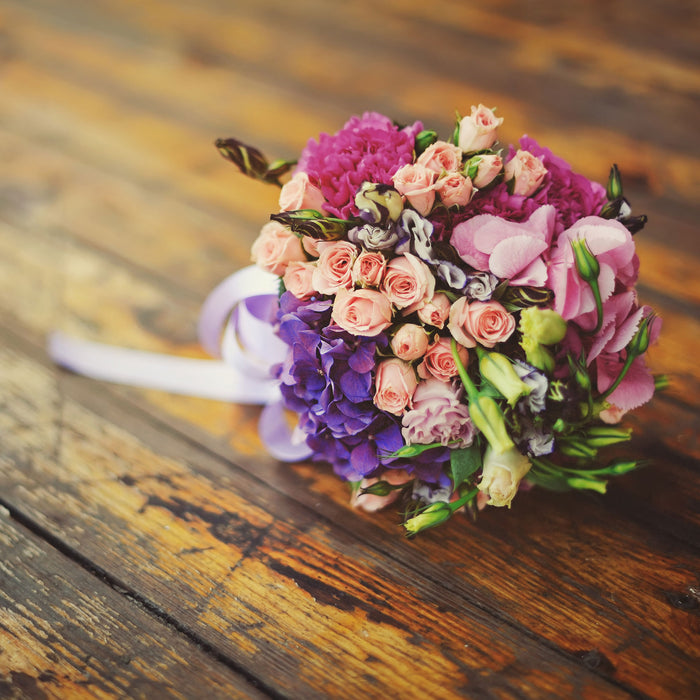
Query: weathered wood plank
[(428, 89), (64, 633), (599, 553), (118, 217), (261, 579)]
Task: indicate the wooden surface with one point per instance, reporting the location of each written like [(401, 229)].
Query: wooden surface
[(148, 546)]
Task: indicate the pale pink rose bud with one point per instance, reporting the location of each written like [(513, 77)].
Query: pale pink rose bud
[(487, 170), (417, 184), (334, 268), (362, 311), (299, 193), (410, 342), (310, 245), (395, 383), (439, 361), (483, 322), (408, 282), (368, 270), (436, 311), (455, 190), (442, 157), (275, 248), (478, 131), (298, 279), (526, 171), (371, 503)]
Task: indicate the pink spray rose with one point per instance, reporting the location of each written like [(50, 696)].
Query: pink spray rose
[(442, 157), (507, 249), (490, 165), (417, 184), (527, 173), (368, 270), (478, 131), (483, 322), (455, 190), (275, 248), (436, 311), (612, 245), (310, 245), (299, 193), (334, 269), (410, 342), (298, 279), (362, 311), (439, 362), (395, 383), (438, 415), (408, 282), (371, 503)]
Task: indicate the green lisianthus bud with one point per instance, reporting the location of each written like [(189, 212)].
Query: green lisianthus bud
[(622, 466), (488, 418), (661, 382), (498, 369), (577, 448), (544, 326), (581, 483), (614, 188), (379, 488), (309, 222), (424, 139), (381, 202), (580, 373), (250, 161), (640, 342), (435, 514), (604, 435), (586, 263)]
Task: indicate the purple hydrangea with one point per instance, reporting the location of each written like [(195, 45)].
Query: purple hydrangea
[(328, 379), (369, 148)]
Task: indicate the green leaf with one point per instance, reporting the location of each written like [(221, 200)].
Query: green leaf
[(464, 462)]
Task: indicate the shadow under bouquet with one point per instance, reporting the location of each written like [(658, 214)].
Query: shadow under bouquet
[(460, 319)]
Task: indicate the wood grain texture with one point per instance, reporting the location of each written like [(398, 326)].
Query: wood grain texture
[(159, 518), (64, 633)]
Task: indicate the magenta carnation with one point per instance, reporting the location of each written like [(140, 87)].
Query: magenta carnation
[(367, 149)]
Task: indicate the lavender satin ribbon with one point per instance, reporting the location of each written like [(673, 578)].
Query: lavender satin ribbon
[(234, 325)]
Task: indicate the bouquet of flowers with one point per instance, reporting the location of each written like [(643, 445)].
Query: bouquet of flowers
[(461, 319)]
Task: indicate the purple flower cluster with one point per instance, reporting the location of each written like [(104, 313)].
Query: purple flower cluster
[(367, 149), (328, 379)]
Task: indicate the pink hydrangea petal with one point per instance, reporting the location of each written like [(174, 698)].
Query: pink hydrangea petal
[(463, 241), (626, 331), (514, 254), (535, 275), (600, 341), (635, 389)]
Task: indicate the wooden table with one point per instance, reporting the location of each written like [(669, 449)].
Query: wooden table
[(149, 546)]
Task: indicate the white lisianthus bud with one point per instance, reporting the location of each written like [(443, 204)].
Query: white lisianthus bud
[(502, 474)]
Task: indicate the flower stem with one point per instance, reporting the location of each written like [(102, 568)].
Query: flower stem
[(628, 363), (472, 393)]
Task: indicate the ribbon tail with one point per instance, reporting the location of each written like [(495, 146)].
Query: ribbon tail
[(210, 379), (281, 442)]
